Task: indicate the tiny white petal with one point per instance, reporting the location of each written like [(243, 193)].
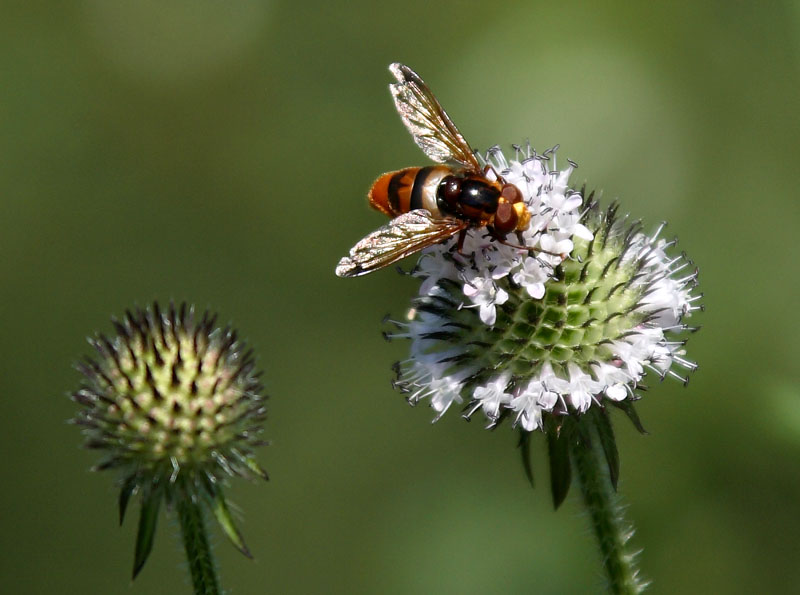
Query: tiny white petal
[(582, 232), (492, 396), (488, 314), (531, 275)]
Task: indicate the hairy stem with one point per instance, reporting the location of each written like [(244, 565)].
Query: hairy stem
[(605, 512), (195, 542)]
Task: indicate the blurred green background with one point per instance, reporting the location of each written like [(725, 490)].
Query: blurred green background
[(220, 153)]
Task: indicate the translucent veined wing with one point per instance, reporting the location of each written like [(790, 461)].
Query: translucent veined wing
[(403, 235), (427, 122)]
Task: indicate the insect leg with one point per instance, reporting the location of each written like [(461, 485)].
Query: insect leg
[(461, 237), (490, 168)]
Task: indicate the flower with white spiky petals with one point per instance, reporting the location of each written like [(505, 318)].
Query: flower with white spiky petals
[(574, 321)]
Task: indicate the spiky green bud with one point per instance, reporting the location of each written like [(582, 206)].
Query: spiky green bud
[(174, 403)]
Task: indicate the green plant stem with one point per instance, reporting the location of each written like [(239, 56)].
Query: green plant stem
[(606, 514), (195, 541)]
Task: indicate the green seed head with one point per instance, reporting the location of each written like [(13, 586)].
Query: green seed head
[(590, 302), (170, 394)]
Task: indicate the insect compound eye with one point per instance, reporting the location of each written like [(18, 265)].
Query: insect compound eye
[(511, 193), (449, 191), (505, 219)]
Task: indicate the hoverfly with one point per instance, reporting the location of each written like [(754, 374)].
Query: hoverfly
[(431, 204)]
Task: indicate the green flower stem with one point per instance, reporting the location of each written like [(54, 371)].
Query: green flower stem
[(195, 541), (606, 514)]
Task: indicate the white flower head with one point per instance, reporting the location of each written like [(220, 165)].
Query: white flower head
[(573, 319)]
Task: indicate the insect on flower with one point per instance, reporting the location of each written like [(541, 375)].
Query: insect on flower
[(431, 204)]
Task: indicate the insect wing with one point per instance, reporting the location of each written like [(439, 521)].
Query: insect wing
[(427, 122), (403, 235)]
